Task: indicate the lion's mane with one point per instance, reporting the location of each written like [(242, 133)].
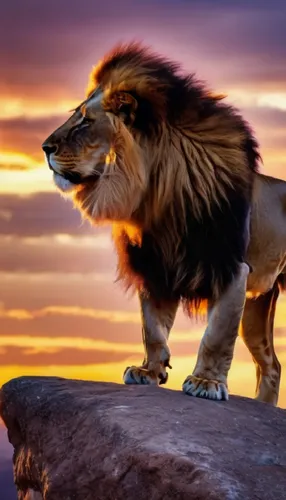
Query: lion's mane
[(189, 234)]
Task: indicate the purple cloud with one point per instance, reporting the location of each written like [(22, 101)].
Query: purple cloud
[(63, 356), (26, 135), (40, 214), (226, 42), (50, 256)]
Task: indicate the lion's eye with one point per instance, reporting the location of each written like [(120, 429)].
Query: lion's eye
[(124, 108), (86, 121)]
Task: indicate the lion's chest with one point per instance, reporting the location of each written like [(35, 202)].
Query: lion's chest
[(179, 272), (196, 264)]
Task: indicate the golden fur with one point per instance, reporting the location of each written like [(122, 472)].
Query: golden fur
[(172, 167), (171, 156), (214, 146)]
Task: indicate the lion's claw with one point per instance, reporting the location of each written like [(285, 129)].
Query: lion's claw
[(143, 376), (204, 388)]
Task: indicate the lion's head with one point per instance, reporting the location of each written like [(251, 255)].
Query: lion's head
[(94, 157), (147, 138)]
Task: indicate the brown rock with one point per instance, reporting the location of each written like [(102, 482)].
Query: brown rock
[(91, 441)]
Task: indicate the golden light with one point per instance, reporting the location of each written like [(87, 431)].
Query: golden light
[(26, 182), (12, 160), (272, 100), (12, 107), (40, 344)]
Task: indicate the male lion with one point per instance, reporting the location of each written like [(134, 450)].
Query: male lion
[(175, 171)]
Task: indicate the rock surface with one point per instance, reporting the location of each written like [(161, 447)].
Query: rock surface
[(91, 441)]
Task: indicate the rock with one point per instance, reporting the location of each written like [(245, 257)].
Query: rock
[(91, 441)]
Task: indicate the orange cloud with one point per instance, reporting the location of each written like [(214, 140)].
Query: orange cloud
[(66, 356), (26, 182), (6, 215), (112, 316), (16, 161), (17, 107), (42, 343), (99, 241), (249, 95)]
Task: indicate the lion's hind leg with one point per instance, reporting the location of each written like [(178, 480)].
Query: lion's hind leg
[(157, 321), (209, 378), (257, 333)]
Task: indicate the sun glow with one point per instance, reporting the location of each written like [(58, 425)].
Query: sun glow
[(12, 107), (26, 182), (241, 377), (272, 100), (12, 160)]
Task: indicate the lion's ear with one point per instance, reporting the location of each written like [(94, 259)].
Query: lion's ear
[(125, 105)]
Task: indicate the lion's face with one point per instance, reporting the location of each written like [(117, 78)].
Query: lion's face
[(78, 150), (94, 156)]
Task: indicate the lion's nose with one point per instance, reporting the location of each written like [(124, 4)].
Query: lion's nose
[(49, 148)]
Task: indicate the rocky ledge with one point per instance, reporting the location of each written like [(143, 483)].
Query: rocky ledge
[(77, 440)]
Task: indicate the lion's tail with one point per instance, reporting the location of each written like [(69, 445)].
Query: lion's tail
[(281, 280)]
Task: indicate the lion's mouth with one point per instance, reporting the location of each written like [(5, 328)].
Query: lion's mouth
[(68, 181), (72, 177)]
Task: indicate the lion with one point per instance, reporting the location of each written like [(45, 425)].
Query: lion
[(175, 170)]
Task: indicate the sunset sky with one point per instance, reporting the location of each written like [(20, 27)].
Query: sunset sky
[(60, 311)]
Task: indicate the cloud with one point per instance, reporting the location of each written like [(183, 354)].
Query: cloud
[(58, 253), (53, 326), (34, 343), (27, 134), (27, 182), (26, 290), (59, 356), (265, 117), (230, 43), (236, 46), (5, 215), (88, 320), (16, 161), (92, 322), (48, 350), (77, 351), (108, 315), (77, 32), (70, 356), (269, 125), (41, 214)]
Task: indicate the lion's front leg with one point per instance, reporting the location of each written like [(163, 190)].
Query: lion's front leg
[(157, 321), (209, 378)]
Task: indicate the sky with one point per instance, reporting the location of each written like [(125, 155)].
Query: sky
[(60, 311)]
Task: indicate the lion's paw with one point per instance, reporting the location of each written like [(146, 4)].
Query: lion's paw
[(143, 376), (203, 388)]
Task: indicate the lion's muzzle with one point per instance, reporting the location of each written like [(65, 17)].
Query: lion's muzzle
[(72, 177)]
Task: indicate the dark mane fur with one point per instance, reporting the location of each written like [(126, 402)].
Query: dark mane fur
[(183, 96), (193, 238)]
